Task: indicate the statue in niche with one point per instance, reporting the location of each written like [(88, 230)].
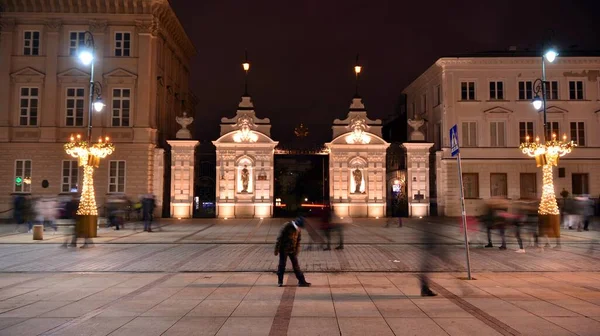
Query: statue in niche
[(245, 179), (357, 174)]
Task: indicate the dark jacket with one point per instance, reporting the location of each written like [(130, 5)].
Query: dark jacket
[(288, 240)]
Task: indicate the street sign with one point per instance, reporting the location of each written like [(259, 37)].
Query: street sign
[(454, 140)]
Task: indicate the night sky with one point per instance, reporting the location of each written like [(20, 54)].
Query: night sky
[(302, 52)]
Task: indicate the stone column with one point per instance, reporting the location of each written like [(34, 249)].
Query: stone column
[(6, 50), (158, 170), (182, 177), (50, 116), (417, 180)]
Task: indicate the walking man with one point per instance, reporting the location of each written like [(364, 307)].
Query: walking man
[(288, 246)]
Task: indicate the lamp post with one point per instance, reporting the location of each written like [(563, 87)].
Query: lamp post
[(548, 151), (89, 154)]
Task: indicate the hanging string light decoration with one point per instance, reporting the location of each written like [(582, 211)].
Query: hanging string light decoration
[(547, 155), (89, 158)]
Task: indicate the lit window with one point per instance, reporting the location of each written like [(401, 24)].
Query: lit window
[(469, 134), (75, 102), (496, 90), (497, 134), (467, 90), (28, 106), (22, 176), (76, 42), (31, 43), (121, 104), (116, 178), (122, 44), (70, 176)]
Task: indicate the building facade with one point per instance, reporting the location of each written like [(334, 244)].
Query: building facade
[(142, 63), (489, 97)]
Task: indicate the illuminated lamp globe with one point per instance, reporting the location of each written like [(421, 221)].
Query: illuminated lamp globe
[(537, 103), (357, 69), (246, 66), (86, 57), (98, 105), (550, 55)]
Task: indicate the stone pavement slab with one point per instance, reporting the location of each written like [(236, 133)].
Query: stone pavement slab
[(346, 304)]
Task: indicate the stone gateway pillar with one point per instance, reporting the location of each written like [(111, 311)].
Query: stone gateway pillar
[(182, 170), (417, 171), (245, 152), (357, 178)]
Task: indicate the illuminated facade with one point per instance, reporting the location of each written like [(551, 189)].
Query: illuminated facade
[(357, 165), (245, 183), (489, 97), (142, 62)]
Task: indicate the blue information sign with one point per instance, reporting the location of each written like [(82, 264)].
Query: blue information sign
[(454, 140)]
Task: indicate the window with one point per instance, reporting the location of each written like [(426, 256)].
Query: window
[(31, 43), (116, 178), (496, 90), (122, 44), (424, 103), (120, 107), (552, 90), (578, 133), (76, 41), (469, 134), (525, 90), (28, 106), (467, 90), (528, 186), (552, 128), (75, 102), (525, 129), (471, 185), (576, 90), (580, 184), (498, 185), (437, 96), (23, 176), (70, 176), (497, 134)]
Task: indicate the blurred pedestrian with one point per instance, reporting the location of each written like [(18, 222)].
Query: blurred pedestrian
[(326, 224), (288, 246), (148, 205), (433, 249), (493, 219)]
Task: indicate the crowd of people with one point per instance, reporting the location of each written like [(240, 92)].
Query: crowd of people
[(522, 218), (45, 211)]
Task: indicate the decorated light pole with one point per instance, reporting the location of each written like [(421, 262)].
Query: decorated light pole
[(547, 151), (89, 154)]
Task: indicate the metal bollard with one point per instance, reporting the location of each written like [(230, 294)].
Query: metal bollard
[(38, 232)]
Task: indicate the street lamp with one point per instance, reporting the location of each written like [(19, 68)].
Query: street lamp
[(357, 70), (547, 151), (89, 154), (246, 67)]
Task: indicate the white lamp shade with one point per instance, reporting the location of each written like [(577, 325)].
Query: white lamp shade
[(550, 55), (86, 57), (98, 106), (537, 103)]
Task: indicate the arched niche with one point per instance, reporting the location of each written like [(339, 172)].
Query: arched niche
[(244, 175), (358, 171)]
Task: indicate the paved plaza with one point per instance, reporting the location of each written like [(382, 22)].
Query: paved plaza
[(215, 277)]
